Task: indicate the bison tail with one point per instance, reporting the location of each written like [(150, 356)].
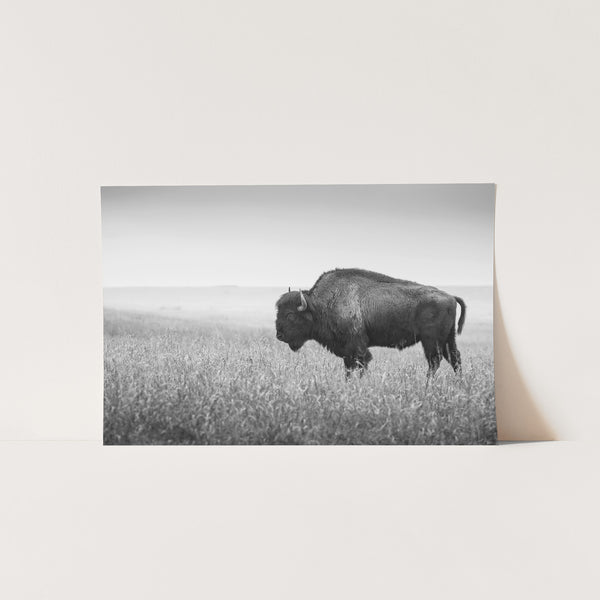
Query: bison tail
[(463, 314)]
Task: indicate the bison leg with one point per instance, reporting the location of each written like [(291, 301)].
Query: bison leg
[(350, 364), (433, 354), (363, 360), (357, 362), (451, 353)]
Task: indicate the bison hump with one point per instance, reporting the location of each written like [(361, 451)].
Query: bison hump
[(343, 276)]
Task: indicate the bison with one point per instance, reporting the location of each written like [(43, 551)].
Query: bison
[(350, 310)]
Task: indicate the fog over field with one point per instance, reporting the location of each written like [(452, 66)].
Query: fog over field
[(249, 306)]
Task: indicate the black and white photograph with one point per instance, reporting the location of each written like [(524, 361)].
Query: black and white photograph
[(310, 314)]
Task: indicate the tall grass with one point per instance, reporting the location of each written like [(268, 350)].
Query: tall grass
[(181, 382)]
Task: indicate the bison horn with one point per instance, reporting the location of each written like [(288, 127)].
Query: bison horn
[(304, 305), (289, 290)]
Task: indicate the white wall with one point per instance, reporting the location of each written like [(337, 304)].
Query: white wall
[(173, 93)]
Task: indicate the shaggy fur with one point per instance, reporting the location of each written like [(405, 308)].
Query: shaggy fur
[(350, 310)]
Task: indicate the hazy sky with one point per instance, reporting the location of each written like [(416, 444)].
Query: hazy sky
[(289, 235)]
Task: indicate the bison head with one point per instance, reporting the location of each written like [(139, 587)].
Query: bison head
[(294, 320)]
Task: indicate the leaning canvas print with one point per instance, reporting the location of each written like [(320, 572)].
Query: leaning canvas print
[(326, 314)]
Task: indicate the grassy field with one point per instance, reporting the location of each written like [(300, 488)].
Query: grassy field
[(183, 381)]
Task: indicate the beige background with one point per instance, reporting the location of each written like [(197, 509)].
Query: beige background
[(172, 93)]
